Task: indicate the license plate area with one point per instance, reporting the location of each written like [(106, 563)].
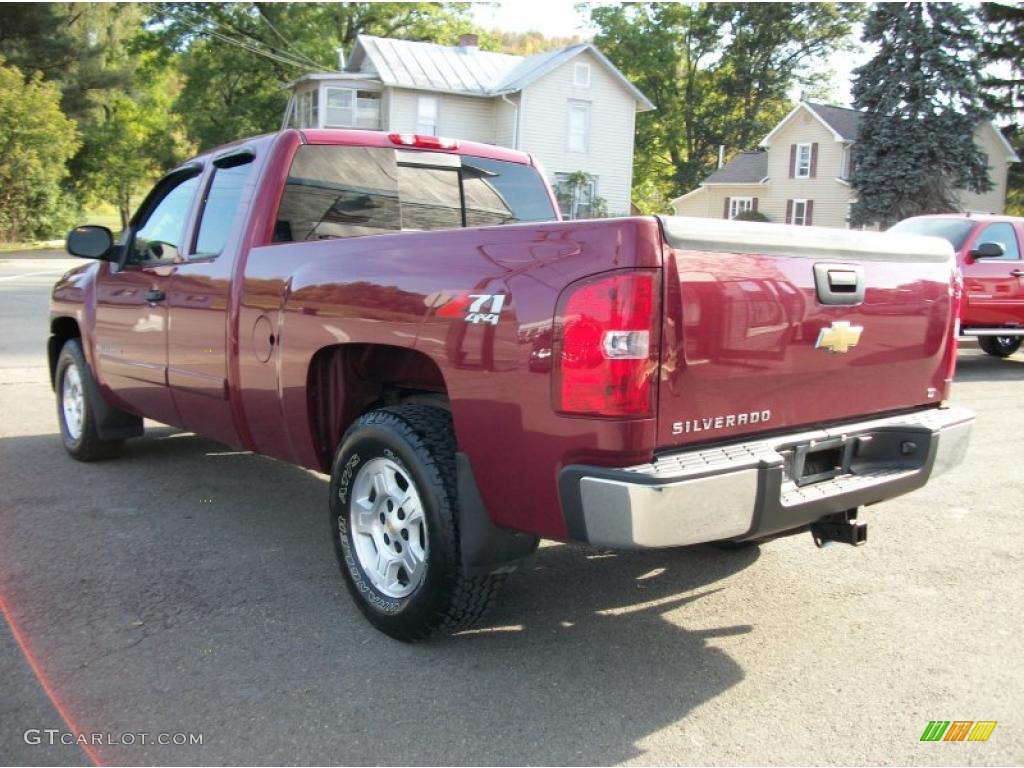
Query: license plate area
[(820, 460)]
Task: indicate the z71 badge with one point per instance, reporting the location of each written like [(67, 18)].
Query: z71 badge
[(474, 307)]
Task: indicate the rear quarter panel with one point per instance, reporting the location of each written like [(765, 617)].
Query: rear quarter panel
[(386, 289)]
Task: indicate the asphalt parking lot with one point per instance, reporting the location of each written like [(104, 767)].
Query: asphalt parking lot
[(189, 588)]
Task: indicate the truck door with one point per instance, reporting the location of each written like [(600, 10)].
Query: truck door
[(994, 288), (131, 308), (199, 303)]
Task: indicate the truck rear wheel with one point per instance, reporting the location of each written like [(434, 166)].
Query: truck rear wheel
[(394, 519), (76, 407), (999, 346)]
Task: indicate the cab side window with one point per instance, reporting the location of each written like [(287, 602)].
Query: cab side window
[(1002, 233), (158, 240), (220, 207)]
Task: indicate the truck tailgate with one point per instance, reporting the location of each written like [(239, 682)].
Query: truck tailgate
[(751, 342)]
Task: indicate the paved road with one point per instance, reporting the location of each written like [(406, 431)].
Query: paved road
[(144, 608)]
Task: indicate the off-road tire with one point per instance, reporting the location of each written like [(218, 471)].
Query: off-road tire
[(87, 445), (999, 346), (421, 439)]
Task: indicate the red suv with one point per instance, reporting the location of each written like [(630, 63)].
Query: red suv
[(988, 250)]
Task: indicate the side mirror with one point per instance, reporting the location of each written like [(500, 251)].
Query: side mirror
[(90, 242), (988, 251)]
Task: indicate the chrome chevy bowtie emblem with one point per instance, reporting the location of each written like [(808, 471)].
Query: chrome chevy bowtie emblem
[(839, 337)]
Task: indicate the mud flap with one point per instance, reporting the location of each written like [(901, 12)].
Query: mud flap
[(485, 547)]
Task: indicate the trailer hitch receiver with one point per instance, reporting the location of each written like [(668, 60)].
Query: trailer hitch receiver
[(843, 528)]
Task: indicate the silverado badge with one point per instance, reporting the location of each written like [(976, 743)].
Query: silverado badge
[(839, 337)]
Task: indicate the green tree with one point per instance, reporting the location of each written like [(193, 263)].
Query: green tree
[(88, 50), (718, 73), (36, 141), (137, 138), (1002, 44), (236, 57), (922, 104)]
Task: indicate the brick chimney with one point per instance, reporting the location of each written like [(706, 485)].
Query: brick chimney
[(468, 42)]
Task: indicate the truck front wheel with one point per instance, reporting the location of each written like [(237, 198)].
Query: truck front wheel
[(999, 346), (76, 407), (394, 519)]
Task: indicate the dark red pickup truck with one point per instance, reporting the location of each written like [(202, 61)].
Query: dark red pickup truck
[(411, 315)]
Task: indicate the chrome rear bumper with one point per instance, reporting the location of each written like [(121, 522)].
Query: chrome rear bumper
[(748, 490)]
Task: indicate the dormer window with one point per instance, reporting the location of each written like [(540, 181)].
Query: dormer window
[(581, 75), (803, 161)]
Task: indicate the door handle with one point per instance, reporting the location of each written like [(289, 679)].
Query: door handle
[(155, 295), (1017, 273)]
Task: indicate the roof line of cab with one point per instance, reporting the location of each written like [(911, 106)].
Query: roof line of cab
[(363, 138)]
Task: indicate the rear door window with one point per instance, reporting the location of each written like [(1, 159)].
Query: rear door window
[(337, 191), (221, 205)]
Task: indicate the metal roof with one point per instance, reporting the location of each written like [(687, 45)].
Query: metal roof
[(466, 70), (747, 167), (428, 66)]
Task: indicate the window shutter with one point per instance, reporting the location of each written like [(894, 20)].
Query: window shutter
[(814, 160), (789, 211), (849, 164), (725, 208), (792, 161), (755, 205), (810, 213)]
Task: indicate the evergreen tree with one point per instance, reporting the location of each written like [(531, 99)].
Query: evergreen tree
[(1004, 84), (922, 103)]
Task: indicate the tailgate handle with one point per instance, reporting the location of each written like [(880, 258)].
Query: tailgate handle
[(839, 283)]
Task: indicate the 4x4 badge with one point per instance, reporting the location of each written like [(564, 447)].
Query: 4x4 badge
[(839, 337), (474, 307)]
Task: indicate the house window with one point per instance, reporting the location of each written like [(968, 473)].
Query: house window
[(579, 126), (581, 75), (738, 205), (803, 161), (368, 110), (349, 108), (576, 200), (304, 114), (800, 213), (340, 111), (426, 115)]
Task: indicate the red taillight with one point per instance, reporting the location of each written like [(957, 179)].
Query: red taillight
[(607, 351), (957, 299), (421, 141)]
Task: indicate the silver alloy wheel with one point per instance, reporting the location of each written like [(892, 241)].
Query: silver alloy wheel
[(73, 401), (389, 527), (1005, 341)]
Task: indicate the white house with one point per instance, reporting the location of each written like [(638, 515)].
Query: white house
[(571, 108), (800, 173)]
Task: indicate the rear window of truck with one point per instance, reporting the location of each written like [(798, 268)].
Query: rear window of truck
[(335, 192)]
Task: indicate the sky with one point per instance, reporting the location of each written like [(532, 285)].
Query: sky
[(559, 18)]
